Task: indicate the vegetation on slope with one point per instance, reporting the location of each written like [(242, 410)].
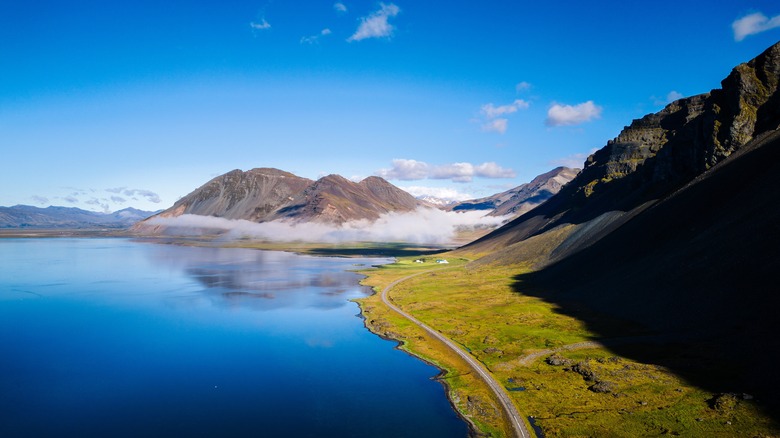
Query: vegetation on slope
[(586, 391)]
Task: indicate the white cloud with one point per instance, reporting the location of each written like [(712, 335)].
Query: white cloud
[(40, 199), (405, 170), (753, 24), (375, 25), (672, 96), (262, 25), (561, 115), (315, 38), (493, 170), (340, 7), (148, 194), (443, 193), (669, 98), (575, 161), (424, 225), (491, 111), (457, 172), (408, 170), (497, 125), (102, 203), (522, 86)]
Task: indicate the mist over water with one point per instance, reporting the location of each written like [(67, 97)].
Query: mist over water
[(110, 337), (422, 226)]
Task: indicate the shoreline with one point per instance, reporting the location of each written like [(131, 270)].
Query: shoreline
[(389, 251), (474, 431), (511, 421), (344, 250)]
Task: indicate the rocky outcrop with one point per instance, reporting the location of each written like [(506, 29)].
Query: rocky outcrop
[(672, 229), (649, 160), (693, 134)]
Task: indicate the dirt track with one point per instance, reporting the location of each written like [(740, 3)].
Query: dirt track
[(518, 425)]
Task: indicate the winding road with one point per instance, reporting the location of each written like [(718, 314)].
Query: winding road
[(518, 425)]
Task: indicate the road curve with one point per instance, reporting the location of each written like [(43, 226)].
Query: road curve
[(518, 425)]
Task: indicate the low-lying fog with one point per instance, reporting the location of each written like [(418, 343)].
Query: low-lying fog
[(423, 226)]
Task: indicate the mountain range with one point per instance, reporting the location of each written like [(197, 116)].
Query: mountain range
[(523, 198), (267, 194), (26, 216), (673, 225)]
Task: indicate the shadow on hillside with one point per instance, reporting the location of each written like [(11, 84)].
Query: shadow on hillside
[(715, 344), (699, 269)]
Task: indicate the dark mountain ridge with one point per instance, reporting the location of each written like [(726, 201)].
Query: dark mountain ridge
[(699, 264), (651, 158), (673, 227)]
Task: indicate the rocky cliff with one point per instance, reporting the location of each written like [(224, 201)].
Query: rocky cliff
[(672, 228), (648, 160)]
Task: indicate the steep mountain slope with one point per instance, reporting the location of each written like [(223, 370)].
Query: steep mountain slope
[(26, 216), (699, 264), (252, 195), (650, 159), (523, 198), (336, 199), (264, 194), (673, 226)]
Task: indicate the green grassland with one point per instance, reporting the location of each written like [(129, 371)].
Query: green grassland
[(588, 392)]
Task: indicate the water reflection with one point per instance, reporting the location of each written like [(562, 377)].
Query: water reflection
[(114, 338), (267, 280)]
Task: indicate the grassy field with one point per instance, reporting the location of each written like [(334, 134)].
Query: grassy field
[(585, 392)]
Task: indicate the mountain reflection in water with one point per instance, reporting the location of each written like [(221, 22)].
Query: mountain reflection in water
[(268, 280)]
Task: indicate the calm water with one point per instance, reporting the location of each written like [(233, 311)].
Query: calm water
[(114, 338)]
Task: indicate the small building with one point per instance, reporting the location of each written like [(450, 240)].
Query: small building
[(442, 261), (418, 261)]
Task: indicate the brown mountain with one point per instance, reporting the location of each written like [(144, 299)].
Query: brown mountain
[(673, 226), (253, 195), (336, 199), (264, 194), (522, 198)]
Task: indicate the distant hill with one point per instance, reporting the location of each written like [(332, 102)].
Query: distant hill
[(523, 198), (673, 225), (26, 216), (266, 194)]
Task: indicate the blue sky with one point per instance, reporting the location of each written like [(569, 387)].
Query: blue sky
[(107, 105)]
